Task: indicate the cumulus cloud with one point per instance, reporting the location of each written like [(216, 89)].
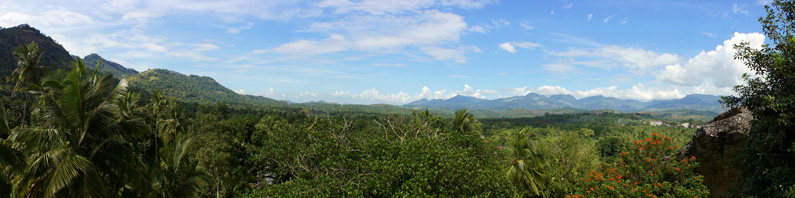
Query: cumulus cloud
[(590, 16), (543, 90), (637, 92), (240, 91), (373, 96), (715, 68)]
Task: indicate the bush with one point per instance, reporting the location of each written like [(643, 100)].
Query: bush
[(645, 168)]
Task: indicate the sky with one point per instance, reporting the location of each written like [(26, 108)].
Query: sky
[(397, 52)]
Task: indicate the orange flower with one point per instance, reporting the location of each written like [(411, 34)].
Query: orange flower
[(654, 134)]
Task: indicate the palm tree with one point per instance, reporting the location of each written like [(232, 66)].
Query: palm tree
[(80, 149), (175, 175), (157, 105), (28, 72), (524, 170), (9, 157), (464, 122)]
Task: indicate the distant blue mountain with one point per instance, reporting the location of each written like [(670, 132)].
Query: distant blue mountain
[(535, 101)]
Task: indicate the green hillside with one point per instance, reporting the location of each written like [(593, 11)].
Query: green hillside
[(109, 67), (55, 56), (192, 88)]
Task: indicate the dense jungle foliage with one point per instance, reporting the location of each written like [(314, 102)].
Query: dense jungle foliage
[(85, 134)]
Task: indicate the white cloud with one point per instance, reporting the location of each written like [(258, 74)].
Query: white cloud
[(334, 43), (590, 16), (612, 55), (624, 21), (373, 96), (715, 68), (637, 92), (739, 9), (240, 91), (476, 28), (608, 18), (508, 47), (427, 30), (526, 45), (204, 47), (236, 29), (709, 34), (511, 46), (439, 53), (396, 7), (458, 76), (527, 26), (560, 68), (543, 90), (568, 6), (193, 55)]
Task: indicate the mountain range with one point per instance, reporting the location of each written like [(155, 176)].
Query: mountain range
[(533, 101), (202, 89)]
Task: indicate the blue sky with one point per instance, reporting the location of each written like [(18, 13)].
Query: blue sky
[(395, 52)]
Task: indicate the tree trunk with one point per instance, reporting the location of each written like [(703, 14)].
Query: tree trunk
[(217, 187), (24, 109)]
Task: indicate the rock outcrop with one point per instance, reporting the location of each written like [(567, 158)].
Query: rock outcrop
[(715, 146)]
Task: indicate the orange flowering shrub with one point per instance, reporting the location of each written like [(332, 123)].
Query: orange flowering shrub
[(644, 171)]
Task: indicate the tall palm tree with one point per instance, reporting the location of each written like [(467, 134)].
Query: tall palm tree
[(79, 150), (524, 169), (28, 72)]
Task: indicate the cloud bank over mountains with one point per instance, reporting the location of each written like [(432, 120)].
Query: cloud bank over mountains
[(712, 72)]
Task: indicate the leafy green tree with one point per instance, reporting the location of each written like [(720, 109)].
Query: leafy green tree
[(768, 159), (28, 72), (526, 164), (80, 149)]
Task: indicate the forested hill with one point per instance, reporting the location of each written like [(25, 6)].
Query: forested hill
[(55, 56), (192, 88), (533, 101), (109, 67)]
